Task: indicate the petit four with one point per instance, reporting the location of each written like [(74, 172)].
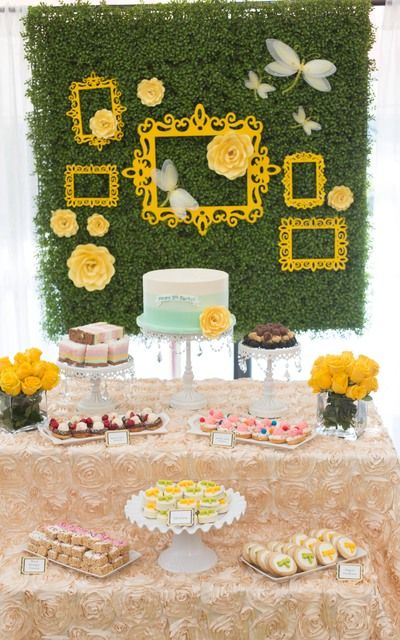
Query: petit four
[(96, 345)]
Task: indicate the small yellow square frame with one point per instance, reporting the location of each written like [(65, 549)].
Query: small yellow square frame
[(287, 180), (94, 82), (200, 124), (111, 200), (288, 263)]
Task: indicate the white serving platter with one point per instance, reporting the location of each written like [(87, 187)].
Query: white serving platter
[(361, 553), (133, 555), (194, 424), (46, 432)]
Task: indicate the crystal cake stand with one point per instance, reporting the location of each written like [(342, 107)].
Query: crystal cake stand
[(187, 552), (269, 406)]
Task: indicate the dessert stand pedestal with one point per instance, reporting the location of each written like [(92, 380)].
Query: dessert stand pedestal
[(269, 406), (98, 400), (187, 552), (188, 398)]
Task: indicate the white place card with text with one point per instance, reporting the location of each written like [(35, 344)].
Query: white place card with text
[(222, 439), (33, 566), (117, 438), (181, 517), (349, 571)]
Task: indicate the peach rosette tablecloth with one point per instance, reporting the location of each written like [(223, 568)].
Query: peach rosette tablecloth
[(350, 486)]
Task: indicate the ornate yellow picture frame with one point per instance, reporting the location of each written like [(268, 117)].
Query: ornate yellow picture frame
[(111, 200), (335, 263), (200, 124), (88, 84), (320, 180)]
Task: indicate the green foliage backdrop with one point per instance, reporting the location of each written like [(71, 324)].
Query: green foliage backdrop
[(202, 52)]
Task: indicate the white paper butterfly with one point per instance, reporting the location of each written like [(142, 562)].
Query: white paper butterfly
[(287, 63), (307, 124), (260, 88), (180, 200)]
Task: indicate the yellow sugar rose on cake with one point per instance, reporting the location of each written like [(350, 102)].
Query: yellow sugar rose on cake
[(151, 92), (63, 223), (228, 154), (103, 124), (91, 267), (214, 321)]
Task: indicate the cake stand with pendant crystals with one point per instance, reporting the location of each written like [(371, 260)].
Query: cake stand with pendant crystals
[(187, 552), (269, 406)]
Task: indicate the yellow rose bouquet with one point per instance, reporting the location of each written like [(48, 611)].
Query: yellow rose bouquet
[(341, 380), (22, 384)]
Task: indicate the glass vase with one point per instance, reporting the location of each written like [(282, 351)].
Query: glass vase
[(338, 415), (22, 412)]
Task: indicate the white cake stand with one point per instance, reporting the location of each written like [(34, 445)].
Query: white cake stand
[(269, 406), (187, 552), (98, 400), (188, 398)]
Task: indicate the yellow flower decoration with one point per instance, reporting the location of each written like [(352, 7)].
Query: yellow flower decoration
[(344, 375), (97, 225), (214, 321), (103, 124), (91, 267), (31, 385), (63, 222), (340, 198), (9, 382), (151, 92), (228, 154)]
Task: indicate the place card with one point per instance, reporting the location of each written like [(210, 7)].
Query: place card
[(181, 517), (117, 438), (218, 439), (349, 571), (33, 566)]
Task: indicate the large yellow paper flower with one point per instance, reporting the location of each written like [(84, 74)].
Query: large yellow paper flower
[(97, 225), (31, 385), (91, 267), (63, 222), (9, 382), (151, 92), (228, 154), (103, 124), (340, 198), (214, 321)]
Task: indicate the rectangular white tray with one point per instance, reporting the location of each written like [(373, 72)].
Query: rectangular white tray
[(43, 429), (194, 425), (361, 553), (133, 555)]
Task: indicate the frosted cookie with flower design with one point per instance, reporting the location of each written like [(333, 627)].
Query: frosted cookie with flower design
[(304, 558), (281, 564), (346, 547), (325, 553)]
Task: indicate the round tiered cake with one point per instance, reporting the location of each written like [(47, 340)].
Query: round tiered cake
[(173, 299)]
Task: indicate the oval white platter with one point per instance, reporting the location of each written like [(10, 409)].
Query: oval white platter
[(361, 553), (134, 513), (46, 432), (194, 425), (133, 555)]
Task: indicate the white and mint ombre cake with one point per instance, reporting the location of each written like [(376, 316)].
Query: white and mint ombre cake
[(174, 299)]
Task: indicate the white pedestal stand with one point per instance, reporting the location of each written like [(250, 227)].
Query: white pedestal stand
[(98, 400), (187, 552), (269, 406)]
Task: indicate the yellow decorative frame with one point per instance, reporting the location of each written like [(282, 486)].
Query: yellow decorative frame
[(71, 170), (288, 263), (94, 82), (287, 181), (200, 124)]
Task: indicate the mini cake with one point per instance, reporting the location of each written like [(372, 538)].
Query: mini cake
[(94, 345), (271, 335)]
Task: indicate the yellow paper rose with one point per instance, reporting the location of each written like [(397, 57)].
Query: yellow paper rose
[(150, 92), (228, 154), (214, 321), (9, 382), (91, 267), (340, 198), (63, 222), (103, 124), (31, 385), (97, 225)]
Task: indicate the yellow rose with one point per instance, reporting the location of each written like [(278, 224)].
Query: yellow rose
[(23, 370), (340, 198), (228, 154), (371, 384), (214, 321), (30, 385), (357, 392), (9, 382), (321, 379), (21, 358), (91, 267), (103, 124), (5, 363), (363, 368), (340, 382), (341, 363), (150, 92), (97, 225), (63, 222), (39, 369), (50, 379), (33, 354)]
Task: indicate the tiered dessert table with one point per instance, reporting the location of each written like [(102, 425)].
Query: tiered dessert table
[(353, 486)]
